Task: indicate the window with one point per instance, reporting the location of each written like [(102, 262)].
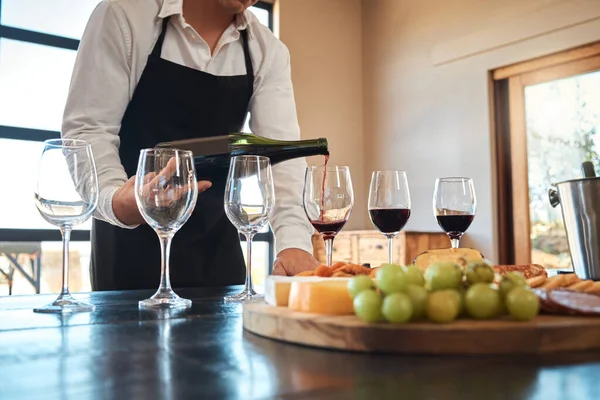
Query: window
[(547, 120), (38, 46)]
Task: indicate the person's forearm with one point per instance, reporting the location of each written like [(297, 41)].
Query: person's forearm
[(290, 224)]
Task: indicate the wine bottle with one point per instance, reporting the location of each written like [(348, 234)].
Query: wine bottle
[(212, 155)]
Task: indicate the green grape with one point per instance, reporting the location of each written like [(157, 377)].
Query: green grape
[(359, 283), (442, 306), (397, 308), (482, 301), (391, 279), (510, 281), (443, 275), (415, 276), (522, 303), (502, 310), (479, 272), (460, 295), (418, 298), (367, 306)]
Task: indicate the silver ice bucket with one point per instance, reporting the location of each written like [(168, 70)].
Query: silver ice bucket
[(580, 204)]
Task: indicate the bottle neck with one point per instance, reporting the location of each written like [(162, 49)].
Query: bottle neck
[(277, 150)]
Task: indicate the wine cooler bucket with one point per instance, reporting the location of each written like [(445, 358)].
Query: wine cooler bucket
[(580, 204)]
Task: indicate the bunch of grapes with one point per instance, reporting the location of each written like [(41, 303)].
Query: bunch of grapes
[(444, 293)]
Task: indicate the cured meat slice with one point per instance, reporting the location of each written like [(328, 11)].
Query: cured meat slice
[(573, 303), (545, 304)]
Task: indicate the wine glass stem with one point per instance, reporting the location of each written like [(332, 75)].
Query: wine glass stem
[(165, 252), (329, 250), (249, 286), (454, 242), (390, 248), (66, 237)]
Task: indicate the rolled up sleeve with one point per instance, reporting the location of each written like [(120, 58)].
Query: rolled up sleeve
[(98, 96), (273, 115)]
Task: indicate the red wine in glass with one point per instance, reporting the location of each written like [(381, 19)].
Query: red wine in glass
[(328, 201), (321, 217), (389, 220), (454, 206), (389, 204), (328, 229), (455, 225)]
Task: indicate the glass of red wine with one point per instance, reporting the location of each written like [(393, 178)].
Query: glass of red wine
[(454, 206), (389, 204), (328, 201)]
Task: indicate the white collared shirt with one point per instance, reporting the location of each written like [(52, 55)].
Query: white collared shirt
[(111, 58)]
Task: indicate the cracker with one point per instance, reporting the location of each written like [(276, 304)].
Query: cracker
[(595, 288), (554, 282), (581, 286), (536, 281), (570, 279)]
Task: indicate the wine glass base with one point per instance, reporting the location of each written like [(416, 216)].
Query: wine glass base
[(165, 299), (65, 304), (244, 296)]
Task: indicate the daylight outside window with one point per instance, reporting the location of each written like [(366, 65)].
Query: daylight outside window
[(37, 55)]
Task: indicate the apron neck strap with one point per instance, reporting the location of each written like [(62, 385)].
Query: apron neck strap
[(157, 50), (249, 67)]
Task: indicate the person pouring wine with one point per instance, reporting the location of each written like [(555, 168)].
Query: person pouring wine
[(165, 70)]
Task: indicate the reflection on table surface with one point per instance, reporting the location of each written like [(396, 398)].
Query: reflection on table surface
[(121, 352)]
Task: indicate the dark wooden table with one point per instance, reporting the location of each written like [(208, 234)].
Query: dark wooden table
[(118, 352)]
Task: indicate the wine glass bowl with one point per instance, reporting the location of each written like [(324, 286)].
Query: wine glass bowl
[(66, 195), (249, 204), (454, 206), (165, 192), (389, 204), (328, 201)]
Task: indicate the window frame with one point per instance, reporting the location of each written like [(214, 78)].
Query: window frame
[(510, 140), (38, 135)]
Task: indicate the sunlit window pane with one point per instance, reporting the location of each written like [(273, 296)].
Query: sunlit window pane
[(261, 14), (34, 83), (260, 260), (66, 18), (19, 160), (51, 266), (563, 120)]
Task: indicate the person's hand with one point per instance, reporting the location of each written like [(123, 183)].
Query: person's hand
[(124, 203), (293, 261)]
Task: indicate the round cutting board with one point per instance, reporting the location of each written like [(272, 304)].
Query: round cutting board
[(545, 334)]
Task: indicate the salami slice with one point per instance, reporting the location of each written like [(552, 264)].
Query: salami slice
[(574, 303), (545, 304)]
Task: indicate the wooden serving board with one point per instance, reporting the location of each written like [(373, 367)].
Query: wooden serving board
[(545, 334)]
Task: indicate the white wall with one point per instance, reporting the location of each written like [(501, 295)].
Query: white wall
[(324, 38), (426, 95)]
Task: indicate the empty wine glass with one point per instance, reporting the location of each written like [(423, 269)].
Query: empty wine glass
[(389, 204), (66, 195), (328, 201), (454, 206), (249, 204), (166, 192)]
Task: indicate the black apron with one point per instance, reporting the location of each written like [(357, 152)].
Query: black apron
[(173, 102)]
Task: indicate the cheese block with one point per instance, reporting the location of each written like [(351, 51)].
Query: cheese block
[(277, 288), (327, 296)]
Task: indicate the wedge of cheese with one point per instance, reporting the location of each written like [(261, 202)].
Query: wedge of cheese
[(327, 296), (277, 290)]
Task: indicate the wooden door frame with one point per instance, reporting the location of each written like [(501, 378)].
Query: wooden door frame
[(510, 139)]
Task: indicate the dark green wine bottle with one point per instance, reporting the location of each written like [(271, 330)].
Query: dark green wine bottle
[(212, 155)]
